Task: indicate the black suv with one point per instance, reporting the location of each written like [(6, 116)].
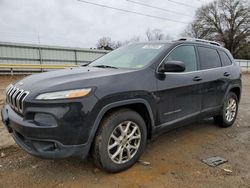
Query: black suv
[(110, 107)]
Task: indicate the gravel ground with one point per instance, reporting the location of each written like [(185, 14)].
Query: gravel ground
[(175, 159)]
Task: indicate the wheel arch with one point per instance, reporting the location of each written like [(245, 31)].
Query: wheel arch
[(141, 106), (237, 91), (134, 104)]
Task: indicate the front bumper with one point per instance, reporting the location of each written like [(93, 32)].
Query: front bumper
[(41, 141)]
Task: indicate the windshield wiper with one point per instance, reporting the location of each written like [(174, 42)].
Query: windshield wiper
[(105, 66)]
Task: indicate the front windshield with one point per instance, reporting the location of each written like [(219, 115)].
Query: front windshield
[(131, 56)]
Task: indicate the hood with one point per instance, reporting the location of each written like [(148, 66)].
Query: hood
[(67, 79)]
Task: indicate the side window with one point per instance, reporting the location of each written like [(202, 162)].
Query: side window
[(225, 59), (209, 58), (187, 55)]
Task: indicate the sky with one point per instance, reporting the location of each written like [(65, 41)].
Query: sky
[(77, 24)]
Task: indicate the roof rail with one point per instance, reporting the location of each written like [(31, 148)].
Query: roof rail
[(199, 40)]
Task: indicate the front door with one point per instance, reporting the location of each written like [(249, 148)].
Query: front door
[(179, 93)]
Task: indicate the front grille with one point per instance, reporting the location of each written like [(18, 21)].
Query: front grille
[(15, 97)]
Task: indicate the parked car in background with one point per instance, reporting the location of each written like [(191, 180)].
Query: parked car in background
[(110, 107)]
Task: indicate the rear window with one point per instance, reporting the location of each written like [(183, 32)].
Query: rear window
[(225, 59), (209, 58)]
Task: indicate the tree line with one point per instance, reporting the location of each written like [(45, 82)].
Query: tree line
[(224, 21), (151, 34)]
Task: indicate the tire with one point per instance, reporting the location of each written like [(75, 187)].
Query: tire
[(132, 142), (223, 119)]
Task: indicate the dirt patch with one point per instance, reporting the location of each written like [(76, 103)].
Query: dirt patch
[(175, 160)]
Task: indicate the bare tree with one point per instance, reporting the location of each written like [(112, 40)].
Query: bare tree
[(196, 30), (107, 44), (155, 34), (227, 21), (117, 44), (133, 39), (158, 35), (104, 43), (149, 34)]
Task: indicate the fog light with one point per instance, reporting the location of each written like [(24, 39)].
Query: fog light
[(45, 119)]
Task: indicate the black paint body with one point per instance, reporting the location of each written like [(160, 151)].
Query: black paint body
[(166, 101)]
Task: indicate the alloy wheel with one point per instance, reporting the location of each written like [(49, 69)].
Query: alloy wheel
[(124, 142), (231, 109)]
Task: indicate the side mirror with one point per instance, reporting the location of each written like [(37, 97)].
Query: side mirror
[(172, 66)]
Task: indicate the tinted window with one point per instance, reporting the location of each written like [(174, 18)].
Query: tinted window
[(209, 58), (187, 55), (225, 59)]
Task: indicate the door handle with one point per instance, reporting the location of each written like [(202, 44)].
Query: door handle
[(226, 74), (197, 78)]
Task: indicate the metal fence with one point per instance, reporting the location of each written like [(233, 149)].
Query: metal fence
[(26, 58), (244, 64)]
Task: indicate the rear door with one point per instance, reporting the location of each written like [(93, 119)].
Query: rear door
[(214, 81)]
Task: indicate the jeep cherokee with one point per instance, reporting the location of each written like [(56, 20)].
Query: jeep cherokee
[(110, 107)]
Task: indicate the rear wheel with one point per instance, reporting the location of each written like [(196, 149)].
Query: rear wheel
[(120, 141), (229, 111)]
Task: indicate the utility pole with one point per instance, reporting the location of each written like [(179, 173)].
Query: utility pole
[(39, 51)]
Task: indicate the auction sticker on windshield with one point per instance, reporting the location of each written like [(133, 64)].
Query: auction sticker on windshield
[(152, 46)]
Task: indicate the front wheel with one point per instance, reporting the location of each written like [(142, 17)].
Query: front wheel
[(229, 111), (120, 141)]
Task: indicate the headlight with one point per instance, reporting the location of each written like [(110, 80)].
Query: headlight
[(69, 94)]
